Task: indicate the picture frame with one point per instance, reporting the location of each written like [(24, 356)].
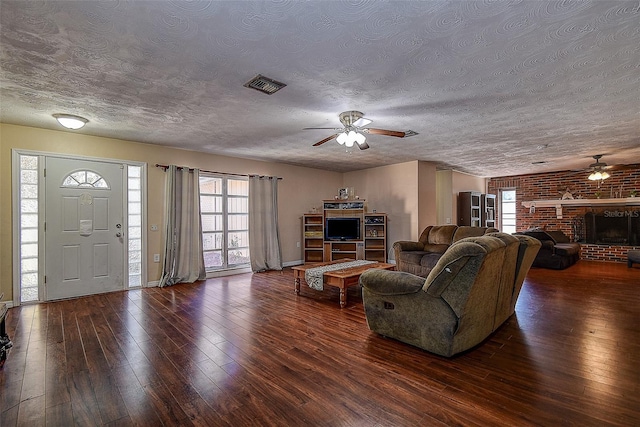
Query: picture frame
[(343, 193)]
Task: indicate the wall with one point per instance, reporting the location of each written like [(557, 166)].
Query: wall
[(449, 184), (300, 189), (405, 192), (551, 186)]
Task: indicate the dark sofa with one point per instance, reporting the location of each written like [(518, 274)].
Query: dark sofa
[(557, 251)]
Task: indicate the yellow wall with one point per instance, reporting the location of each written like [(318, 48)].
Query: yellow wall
[(299, 190), (406, 192)]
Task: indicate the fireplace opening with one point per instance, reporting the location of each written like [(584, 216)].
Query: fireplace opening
[(613, 227)]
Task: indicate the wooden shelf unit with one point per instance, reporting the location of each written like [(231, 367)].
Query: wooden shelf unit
[(375, 237), (372, 244), (313, 237)]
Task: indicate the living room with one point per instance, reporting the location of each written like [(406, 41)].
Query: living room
[(483, 140)]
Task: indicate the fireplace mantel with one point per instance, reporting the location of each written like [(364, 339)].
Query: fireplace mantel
[(558, 204)]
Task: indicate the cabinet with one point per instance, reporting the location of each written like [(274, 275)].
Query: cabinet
[(469, 208), (375, 237), (313, 237), (488, 202), (370, 245)]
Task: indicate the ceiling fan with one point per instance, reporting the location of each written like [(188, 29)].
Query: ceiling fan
[(353, 131)]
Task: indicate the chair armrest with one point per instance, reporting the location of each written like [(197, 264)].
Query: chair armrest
[(405, 245), (386, 282)]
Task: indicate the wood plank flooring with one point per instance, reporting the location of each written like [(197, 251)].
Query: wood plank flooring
[(246, 351)]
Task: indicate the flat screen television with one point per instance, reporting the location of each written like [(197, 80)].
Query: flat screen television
[(342, 229)]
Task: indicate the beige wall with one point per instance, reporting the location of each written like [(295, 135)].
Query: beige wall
[(300, 189), (449, 184), (404, 191)]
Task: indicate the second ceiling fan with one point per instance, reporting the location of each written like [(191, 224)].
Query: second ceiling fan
[(353, 130)]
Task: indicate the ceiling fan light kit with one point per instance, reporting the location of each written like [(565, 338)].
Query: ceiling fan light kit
[(597, 170), (354, 130)]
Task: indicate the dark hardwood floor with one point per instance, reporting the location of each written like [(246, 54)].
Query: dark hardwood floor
[(245, 350)]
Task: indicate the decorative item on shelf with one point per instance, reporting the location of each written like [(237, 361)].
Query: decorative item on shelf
[(633, 193), (597, 194), (343, 193), (566, 194)]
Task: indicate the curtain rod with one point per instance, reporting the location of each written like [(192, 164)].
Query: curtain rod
[(165, 167)]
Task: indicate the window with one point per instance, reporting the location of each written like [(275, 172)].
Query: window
[(134, 224), (224, 207), (29, 229), (508, 211), (85, 178)]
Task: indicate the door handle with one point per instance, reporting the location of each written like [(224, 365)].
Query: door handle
[(118, 234)]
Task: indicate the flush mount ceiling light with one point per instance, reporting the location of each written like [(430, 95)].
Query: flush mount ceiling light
[(70, 121)]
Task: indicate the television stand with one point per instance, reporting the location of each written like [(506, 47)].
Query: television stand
[(371, 246)]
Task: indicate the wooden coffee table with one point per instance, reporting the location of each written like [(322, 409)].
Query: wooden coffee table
[(341, 279)]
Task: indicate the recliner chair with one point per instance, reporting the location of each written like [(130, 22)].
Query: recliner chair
[(469, 293)]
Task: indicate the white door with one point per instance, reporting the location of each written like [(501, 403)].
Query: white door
[(84, 233)]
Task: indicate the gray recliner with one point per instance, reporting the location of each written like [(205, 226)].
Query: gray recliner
[(469, 293)]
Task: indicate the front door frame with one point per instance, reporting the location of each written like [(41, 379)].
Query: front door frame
[(15, 209)]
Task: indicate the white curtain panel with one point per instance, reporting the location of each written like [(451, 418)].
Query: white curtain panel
[(183, 258), (264, 239)]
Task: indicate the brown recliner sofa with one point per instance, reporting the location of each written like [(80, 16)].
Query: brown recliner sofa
[(420, 257), (470, 292)]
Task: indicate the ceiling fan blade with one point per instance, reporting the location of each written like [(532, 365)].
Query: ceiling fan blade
[(363, 146), (384, 132), (333, 128), (325, 140)]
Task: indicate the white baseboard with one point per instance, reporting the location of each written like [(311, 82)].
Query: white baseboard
[(153, 284), (292, 263)]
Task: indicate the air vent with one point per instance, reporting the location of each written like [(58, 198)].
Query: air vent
[(409, 133), (264, 84), (539, 162)]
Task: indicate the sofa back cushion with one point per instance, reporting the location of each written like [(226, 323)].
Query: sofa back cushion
[(465, 231), (441, 234)]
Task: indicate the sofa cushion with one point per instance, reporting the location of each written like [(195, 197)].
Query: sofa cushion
[(558, 236), (465, 231), (442, 234), (567, 249), (436, 249), (429, 260), (413, 257)]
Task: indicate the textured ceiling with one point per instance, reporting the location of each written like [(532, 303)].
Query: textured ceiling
[(490, 86)]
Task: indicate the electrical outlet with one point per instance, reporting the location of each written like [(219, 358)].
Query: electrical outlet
[(448, 220), (297, 244), (156, 257), (154, 227)]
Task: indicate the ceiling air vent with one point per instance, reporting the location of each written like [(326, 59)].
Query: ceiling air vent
[(264, 84), (409, 133)]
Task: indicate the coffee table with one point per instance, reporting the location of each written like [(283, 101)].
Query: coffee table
[(341, 279)]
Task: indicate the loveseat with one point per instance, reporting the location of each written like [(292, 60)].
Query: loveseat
[(557, 251), (470, 292), (420, 257)]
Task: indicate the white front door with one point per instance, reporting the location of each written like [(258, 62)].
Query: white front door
[(84, 233)]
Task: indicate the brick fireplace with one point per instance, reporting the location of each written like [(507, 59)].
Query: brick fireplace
[(552, 185)]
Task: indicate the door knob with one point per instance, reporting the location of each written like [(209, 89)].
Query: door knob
[(118, 234)]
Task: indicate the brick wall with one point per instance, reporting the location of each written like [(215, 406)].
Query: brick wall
[(551, 186)]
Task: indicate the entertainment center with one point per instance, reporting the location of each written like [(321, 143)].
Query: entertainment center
[(344, 230)]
